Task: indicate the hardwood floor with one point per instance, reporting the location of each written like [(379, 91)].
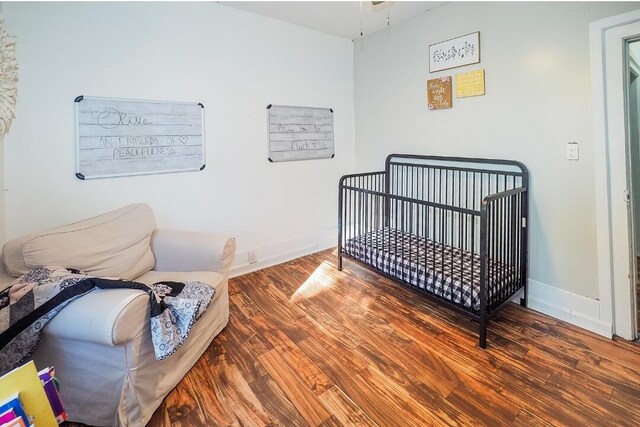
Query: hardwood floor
[(309, 345)]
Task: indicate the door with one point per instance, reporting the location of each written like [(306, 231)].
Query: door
[(623, 258), (633, 136)]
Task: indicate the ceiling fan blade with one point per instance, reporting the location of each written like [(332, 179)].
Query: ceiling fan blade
[(375, 3)]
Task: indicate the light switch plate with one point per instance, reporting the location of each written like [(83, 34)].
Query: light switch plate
[(573, 151)]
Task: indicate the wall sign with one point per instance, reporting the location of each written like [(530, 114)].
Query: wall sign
[(463, 50), (299, 133), (120, 137), (470, 84), (439, 93)]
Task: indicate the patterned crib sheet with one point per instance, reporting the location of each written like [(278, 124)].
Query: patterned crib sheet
[(447, 272)]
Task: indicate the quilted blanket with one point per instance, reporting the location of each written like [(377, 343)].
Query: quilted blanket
[(34, 299)]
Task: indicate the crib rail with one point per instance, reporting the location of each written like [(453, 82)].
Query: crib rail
[(455, 181), (504, 224), (503, 236), (452, 228), (351, 211)]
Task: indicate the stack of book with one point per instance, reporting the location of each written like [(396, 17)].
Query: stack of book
[(29, 398)]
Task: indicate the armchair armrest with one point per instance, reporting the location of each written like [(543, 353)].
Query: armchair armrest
[(5, 278), (177, 250)]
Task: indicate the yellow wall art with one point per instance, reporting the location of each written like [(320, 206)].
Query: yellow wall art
[(470, 84)]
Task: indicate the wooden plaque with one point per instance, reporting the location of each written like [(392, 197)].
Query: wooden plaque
[(439, 93)]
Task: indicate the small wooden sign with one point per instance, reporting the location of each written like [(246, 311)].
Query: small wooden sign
[(470, 84), (439, 93)]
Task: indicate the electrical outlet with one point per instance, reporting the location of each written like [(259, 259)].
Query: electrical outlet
[(573, 151), (252, 257)]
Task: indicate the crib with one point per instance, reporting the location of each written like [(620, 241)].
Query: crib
[(454, 229)]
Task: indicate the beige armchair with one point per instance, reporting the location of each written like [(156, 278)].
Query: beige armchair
[(100, 344)]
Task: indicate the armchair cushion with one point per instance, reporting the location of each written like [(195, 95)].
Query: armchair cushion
[(115, 244), (116, 316), (108, 317)]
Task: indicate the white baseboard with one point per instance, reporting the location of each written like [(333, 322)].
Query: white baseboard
[(564, 305), (283, 252)]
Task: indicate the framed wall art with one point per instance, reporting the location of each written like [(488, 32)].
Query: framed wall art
[(439, 93), (299, 133), (121, 137), (457, 52), (470, 84)]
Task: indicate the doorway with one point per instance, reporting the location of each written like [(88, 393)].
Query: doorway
[(633, 162), (616, 104)]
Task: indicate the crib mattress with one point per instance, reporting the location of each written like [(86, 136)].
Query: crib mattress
[(442, 270)]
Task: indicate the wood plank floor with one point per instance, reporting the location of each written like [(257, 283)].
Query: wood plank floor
[(309, 345)]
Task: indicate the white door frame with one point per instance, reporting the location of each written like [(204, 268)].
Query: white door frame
[(608, 287)]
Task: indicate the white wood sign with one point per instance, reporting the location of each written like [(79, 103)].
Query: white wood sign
[(463, 50), (299, 133), (120, 137)]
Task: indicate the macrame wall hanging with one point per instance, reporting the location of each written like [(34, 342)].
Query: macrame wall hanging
[(8, 79)]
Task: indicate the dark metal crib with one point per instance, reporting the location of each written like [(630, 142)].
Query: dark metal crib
[(453, 228)]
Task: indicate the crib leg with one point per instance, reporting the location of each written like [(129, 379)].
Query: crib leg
[(339, 262), (483, 332)]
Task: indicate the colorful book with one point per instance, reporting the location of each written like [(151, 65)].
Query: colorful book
[(8, 415), (25, 381), (47, 376), (13, 404), (16, 422)]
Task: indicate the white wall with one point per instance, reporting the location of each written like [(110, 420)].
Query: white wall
[(234, 62), (536, 57)]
